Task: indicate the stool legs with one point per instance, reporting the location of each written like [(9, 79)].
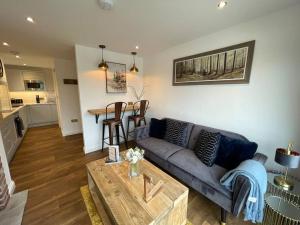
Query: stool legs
[(103, 132), (111, 134), (128, 123), (124, 135), (118, 134)]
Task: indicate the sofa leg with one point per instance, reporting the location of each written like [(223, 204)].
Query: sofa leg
[(223, 216)]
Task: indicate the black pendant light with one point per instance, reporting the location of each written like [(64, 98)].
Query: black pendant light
[(102, 65), (134, 69)]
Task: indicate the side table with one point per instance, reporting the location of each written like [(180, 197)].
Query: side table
[(292, 195), (279, 211)]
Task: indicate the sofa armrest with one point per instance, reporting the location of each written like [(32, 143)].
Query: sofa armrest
[(260, 158), (141, 132)]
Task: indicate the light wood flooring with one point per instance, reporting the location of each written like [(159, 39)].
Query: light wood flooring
[(52, 168)]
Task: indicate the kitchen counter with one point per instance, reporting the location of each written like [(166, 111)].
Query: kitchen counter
[(17, 109)]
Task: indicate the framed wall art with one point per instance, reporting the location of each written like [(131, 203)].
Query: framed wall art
[(222, 66), (116, 78)]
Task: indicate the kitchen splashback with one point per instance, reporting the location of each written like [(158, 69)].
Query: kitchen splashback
[(29, 97)]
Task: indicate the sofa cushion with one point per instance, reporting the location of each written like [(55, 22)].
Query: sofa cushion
[(207, 146), (233, 151), (178, 132), (186, 160), (157, 128), (159, 147), (197, 128)]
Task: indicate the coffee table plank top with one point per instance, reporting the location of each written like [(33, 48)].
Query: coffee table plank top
[(124, 196)]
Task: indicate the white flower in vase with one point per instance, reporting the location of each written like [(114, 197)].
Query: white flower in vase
[(134, 155)]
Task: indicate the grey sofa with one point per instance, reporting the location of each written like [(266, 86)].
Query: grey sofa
[(182, 163)]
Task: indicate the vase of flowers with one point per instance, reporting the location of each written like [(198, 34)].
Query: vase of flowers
[(133, 156)]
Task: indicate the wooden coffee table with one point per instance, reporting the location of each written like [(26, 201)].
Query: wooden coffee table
[(119, 199)]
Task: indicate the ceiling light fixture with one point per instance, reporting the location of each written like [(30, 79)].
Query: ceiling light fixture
[(222, 4), (24, 64), (137, 47), (18, 57), (102, 65), (134, 69), (5, 43), (30, 19)]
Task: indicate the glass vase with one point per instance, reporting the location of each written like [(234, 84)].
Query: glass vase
[(134, 169)]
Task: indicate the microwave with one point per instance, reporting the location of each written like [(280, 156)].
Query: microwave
[(34, 85)]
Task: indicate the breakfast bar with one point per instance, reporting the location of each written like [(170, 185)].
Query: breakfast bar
[(99, 112)]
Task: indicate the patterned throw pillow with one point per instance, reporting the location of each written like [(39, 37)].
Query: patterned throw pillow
[(207, 146), (176, 132)]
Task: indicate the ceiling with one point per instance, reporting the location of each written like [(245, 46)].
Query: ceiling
[(154, 25)]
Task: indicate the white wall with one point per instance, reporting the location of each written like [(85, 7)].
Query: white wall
[(68, 97), (92, 89), (3, 98), (266, 110), (4, 95)]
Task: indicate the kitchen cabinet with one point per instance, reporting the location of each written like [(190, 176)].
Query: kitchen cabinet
[(49, 81), (33, 75), (9, 136), (41, 114), (23, 114), (54, 114), (15, 80)]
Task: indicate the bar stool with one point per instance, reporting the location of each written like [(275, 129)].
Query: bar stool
[(138, 114), (114, 123)]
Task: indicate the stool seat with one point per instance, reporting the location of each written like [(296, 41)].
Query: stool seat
[(111, 121), (114, 123)]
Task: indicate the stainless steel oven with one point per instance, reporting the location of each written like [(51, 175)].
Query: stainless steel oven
[(34, 85)]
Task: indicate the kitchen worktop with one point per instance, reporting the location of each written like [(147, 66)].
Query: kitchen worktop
[(16, 109)]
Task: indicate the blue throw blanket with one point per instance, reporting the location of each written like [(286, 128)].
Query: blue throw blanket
[(257, 175)]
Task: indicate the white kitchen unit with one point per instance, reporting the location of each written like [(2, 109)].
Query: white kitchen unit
[(17, 75), (42, 114), (15, 80), (9, 136), (49, 81), (24, 115)]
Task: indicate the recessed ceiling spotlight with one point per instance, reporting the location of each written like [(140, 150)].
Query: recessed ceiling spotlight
[(5, 43), (30, 19), (24, 64), (137, 47), (18, 57), (222, 4)]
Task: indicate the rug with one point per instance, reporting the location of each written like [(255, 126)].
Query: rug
[(13, 212), (91, 208)]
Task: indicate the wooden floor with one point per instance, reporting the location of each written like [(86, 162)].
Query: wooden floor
[(52, 168)]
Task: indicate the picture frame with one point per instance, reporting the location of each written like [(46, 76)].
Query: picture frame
[(229, 65), (116, 78), (113, 153), (1, 69)]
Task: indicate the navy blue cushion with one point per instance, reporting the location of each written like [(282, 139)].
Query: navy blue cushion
[(207, 145), (157, 128), (233, 151), (176, 132)]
